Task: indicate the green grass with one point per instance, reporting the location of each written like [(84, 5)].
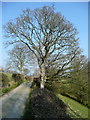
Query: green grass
[(9, 75), (74, 109), (5, 90)]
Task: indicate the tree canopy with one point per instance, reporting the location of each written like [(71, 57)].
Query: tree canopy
[(48, 35)]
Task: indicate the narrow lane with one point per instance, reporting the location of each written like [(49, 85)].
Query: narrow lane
[(13, 104)]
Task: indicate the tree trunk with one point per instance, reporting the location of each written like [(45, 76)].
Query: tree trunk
[(43, 77)]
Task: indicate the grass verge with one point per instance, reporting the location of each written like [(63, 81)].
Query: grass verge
[(26, 115), (5, 90), (74, 109)]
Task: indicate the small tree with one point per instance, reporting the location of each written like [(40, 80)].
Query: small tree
[(47, 34)]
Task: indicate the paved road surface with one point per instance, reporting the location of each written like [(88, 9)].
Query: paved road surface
[(13, 104)]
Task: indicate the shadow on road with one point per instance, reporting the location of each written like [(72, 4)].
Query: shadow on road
[(13, 104)]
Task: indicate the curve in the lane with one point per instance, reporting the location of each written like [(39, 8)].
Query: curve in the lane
[(13, 104)]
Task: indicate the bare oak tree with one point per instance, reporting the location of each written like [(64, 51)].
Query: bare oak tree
[(19, 59), (48, 35)]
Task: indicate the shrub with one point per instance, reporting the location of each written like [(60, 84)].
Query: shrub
[(17, 77), (0, 79), (5, 80), (27, 78), (7, 89), (36, 81)]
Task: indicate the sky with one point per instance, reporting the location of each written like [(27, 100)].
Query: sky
[(75, 12)]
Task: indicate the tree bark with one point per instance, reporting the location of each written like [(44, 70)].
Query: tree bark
[(43, 76)]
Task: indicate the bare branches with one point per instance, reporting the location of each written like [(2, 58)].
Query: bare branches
[(47, 34), (19, 58), (66, 63)]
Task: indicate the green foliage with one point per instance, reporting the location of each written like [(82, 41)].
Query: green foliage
[(57, 86), (80, 111), (27, 78), (5, 78), (79, 80), (9, 81), (76, 85), (73, 88), (18, 77), (7, 89)]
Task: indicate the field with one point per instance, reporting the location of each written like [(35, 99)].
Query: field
[(74, 109)]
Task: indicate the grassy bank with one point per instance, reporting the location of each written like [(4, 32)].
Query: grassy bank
[(9, 81), (75, 109), (5, 90)]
